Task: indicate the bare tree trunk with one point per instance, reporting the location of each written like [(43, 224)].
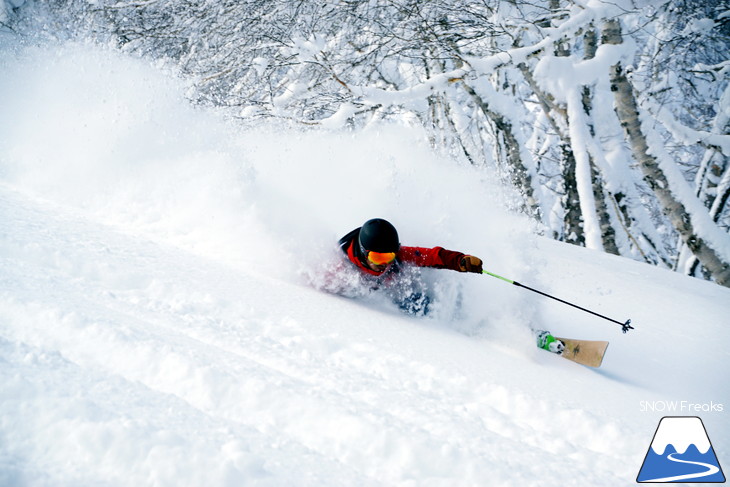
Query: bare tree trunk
[(573, 218), (628, 114), (572, 229), (608, 233), (573, 221), (723, 196), (519, 174)]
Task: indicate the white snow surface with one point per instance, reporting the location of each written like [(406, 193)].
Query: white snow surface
[(163, 318)]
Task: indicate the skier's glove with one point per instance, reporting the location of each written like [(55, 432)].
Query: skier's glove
[(469, 263)]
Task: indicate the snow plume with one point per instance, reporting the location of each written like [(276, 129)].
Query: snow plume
[(114, 137)]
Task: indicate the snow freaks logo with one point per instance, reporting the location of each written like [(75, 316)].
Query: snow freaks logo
[(681, 452)]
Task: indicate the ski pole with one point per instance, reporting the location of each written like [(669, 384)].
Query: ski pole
[(624, 326)]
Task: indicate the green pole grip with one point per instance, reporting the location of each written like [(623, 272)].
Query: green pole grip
[(498, 277)]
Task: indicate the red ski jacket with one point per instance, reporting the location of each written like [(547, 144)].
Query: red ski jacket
[(437, 257)]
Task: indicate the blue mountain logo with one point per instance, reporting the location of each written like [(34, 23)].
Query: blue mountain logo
[(681, 452)]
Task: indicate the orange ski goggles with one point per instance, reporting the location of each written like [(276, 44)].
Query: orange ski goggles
[(381, 258)]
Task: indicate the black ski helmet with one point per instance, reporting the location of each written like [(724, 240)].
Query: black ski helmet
[(378, 235)]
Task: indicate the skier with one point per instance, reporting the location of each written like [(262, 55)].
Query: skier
[(375, 250)]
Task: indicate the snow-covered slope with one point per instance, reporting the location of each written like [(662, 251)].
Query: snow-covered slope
[(162, 320)]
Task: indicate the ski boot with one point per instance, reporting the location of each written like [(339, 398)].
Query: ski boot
[(415, 304), (548, 342)]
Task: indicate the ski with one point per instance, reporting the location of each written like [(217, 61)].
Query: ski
[(584, 352)]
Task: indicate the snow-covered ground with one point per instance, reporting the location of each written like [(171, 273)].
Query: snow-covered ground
[(162, 318)]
